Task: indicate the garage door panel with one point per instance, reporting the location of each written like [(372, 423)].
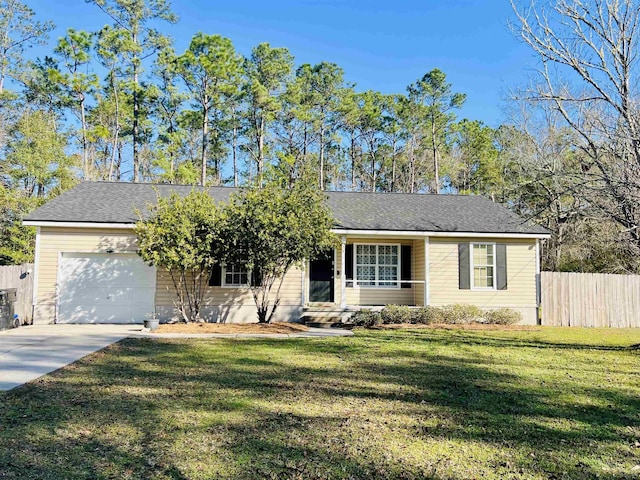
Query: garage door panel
[(105, 288), (98, 296), (103, 273), (100, 314)]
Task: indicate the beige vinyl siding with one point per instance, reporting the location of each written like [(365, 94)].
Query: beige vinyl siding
[(521, 275), (443, 271), (290, 293), (418, 270), (54, 240)]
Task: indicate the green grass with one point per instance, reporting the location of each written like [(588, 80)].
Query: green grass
[(549, 403)]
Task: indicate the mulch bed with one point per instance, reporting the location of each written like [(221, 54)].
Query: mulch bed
[(231, 328)]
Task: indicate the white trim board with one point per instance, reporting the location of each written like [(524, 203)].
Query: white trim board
[(37, 223), (341, 231), (410, 233)]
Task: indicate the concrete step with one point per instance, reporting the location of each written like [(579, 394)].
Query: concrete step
[(321, 318), (321, 305), (324, 324), (322, 313)]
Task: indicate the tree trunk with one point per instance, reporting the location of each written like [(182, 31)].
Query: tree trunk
[(234, 149), (321, 183), (136, 112), (353, 163), (260, 150), (393, 167), (412, 164), (117, 126), (85, 160), (205, 131), (436, 173)]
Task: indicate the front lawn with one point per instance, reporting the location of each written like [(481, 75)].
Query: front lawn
[(392, 404)]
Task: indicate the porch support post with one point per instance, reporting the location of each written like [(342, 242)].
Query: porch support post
[(343, 275), (426, 272), (303, 296)]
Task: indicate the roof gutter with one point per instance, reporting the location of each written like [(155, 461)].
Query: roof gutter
[(340, 231), (39, 223), (411, 233)]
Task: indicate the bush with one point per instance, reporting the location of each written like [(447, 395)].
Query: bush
[(502, 316), (366, 318), (449, 314), (426, 315), (396, 314), (461, 314)]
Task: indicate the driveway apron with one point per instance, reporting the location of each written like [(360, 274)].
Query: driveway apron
[(27, 353)]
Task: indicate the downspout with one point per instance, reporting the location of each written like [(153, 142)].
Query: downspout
[(343, 277), (34, 279), (426, 272), (538, 289)]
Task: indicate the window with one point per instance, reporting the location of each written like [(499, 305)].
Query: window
[(483, 265), (234, 277), (377, 265)]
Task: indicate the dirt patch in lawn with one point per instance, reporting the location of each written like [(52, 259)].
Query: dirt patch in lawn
[(232, 328), (459, 326)]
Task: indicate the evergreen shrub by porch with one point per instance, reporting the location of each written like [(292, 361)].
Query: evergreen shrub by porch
[(366, 318), (396, 314), (459, 313), (427, 315), (456, 314), (502, 316)]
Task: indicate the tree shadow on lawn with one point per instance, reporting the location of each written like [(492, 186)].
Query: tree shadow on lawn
[(272, 415), (528, 339)]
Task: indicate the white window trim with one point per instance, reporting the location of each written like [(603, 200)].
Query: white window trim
[(223, 280), (355, 266), (472, 270)]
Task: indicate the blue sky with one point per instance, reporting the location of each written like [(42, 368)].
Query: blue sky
[(382, 45)]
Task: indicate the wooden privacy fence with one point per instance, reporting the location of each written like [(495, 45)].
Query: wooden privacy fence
[(590, 299), (20, 277)]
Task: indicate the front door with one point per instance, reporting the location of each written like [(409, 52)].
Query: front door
[(321, 278)]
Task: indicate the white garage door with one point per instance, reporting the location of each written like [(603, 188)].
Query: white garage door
[(105, 288)]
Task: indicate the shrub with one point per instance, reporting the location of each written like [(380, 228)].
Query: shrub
[(426, 315), (502, 316), (396, 314), (366, 318), (460, 314)]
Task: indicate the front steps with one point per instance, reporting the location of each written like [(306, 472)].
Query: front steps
[(324, 315)]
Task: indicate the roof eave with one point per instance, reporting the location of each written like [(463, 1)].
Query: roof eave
[(62, 224), (337, 230), (416, 233)]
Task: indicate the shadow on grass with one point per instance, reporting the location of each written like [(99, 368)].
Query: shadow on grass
[(529, 339), (312, 409)]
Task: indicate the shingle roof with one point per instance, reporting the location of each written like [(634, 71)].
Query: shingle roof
[(109, 202)]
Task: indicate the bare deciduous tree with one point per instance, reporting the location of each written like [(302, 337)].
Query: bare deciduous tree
[(588, 53)]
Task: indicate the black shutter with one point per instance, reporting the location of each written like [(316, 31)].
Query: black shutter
[(348, 264), (215, 280), (256, 278), (405, 265), (501, 266), (464, 279)]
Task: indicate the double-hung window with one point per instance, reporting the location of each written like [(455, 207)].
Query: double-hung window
[(233, 276), (377, 265), (483, 266)]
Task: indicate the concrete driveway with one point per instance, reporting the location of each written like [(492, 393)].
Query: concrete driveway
[(27, 353)]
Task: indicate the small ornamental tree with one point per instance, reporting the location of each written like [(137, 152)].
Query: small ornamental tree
[(180, 235), (267, 230)]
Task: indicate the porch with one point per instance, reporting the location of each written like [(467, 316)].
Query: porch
[(366, 271)]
